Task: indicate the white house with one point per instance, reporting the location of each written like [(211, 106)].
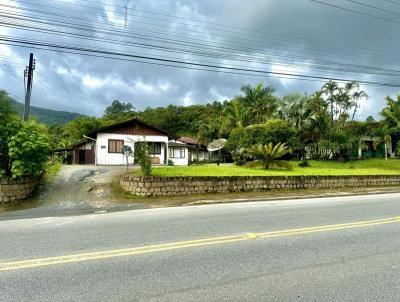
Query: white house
[(178, 153), (105, 145)]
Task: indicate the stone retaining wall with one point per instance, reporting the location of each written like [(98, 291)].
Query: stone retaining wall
[(168, 186), (16, 189)]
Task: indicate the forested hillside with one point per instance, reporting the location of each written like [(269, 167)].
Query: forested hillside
[(47, 116)]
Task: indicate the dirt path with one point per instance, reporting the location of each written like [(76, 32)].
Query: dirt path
[(80, 184), (75, 189)]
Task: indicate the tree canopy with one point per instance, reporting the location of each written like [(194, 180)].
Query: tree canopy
[(317, 125)]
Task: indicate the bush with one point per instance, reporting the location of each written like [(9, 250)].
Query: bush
[(304, 163), (199, 162), (170, 162), (397, 151), (239, 157), (24, 148), (273, 131), (268, 155), (28, 150), (143, 158)]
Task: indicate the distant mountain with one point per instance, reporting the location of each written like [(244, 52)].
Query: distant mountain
[(47, 116)]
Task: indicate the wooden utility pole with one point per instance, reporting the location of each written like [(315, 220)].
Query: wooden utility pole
[(28, 89)]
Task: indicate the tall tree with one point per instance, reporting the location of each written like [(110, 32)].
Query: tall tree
[(260, 100), (355, 95), (118, 111), (294, 109), (236, 113), (391, 112), (118, 107), (331, 89)]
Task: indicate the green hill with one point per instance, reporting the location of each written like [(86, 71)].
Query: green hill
[(47, 116)]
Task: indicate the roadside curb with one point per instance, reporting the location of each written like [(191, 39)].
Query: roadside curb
[(278, 198)]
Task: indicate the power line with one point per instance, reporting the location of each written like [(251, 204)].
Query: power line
[(189, 47), (392, 2), (278, 58), (374, 7), (356, 12), (201, 53), (158, 31), (257, 32), (159, 64), (180, 64)]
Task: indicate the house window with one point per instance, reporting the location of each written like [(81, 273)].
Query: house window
[(177, 153), (115, 146), (154, 148)]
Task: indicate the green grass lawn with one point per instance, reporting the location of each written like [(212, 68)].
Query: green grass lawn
[(361, 167)]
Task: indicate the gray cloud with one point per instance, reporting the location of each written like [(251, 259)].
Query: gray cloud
[(291, 31)]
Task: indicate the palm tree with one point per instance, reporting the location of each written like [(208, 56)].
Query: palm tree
[(331, 90), (392, 112), (318, 119), (236, 113), (268, 155), (294, 109), (209, 130), (260, 101), (356, 97), (388, 141)]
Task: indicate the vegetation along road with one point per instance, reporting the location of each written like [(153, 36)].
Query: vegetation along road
[(332, 249)]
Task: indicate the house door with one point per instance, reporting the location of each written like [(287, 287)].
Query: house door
[(89, 157), (82, 157), (189, 156)]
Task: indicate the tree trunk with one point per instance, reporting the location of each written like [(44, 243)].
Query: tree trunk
[(386, 152)]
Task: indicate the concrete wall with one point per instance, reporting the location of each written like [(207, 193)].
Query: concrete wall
[(168, 186), (14, 190)]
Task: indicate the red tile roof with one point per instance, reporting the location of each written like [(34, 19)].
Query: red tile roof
[(188, 140)]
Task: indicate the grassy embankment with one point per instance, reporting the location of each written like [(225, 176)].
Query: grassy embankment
[(52, 169), (361, 167)]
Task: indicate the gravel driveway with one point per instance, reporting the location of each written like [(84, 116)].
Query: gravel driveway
[(76, 189)]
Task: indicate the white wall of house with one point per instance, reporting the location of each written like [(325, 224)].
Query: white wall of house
[(176, 153), (199, 155), (204, 155), (103, 157), (88, 145)]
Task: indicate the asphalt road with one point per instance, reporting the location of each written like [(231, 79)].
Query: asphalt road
[(100, 257)]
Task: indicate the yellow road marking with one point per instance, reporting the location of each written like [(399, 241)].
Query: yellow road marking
[(21, 264)]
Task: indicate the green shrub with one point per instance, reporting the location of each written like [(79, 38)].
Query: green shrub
[(143, 158), (273, 131), (170, 162), (24, 147), (268, 156), (240, 156), (304, 163), (200, 162), (28, 150)]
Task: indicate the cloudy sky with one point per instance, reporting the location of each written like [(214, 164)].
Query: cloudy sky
[(344, 39)]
